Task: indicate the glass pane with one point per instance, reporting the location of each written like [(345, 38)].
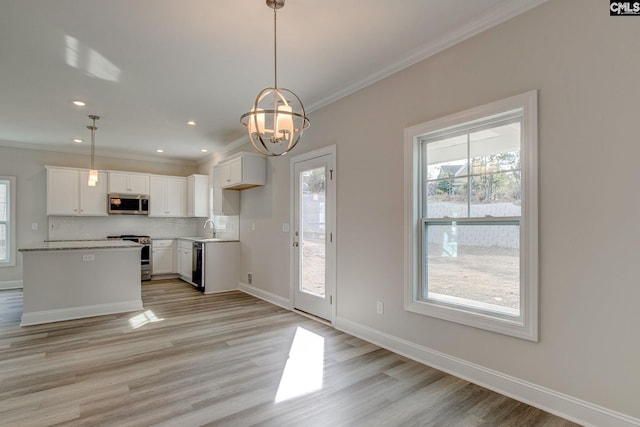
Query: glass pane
[(447, 158), (4, 194), (496, 194), (3, 242), (495, 162), (312, 229), (447, 198), (474, 265), (493, 142)]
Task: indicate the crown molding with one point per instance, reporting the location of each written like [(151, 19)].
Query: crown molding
[(481, 23)]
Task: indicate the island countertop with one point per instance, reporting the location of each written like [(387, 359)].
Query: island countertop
[(70, 245)]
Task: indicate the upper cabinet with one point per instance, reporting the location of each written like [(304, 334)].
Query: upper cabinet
[(243, 170), (167, 196), (69, 195), (128, 183), (198, 196), (225, 202)]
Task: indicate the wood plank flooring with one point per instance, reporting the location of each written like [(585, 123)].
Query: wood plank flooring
[(224, 360)]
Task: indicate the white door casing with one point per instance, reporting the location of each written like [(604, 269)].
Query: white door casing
[(313, 235)]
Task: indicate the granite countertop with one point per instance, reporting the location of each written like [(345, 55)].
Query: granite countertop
[(198, 239), (81, 245)]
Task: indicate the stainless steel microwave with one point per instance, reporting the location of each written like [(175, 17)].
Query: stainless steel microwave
[(129, 204)]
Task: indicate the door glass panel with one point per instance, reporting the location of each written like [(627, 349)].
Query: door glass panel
[(312, 231)]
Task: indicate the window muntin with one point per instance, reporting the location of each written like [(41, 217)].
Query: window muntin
[(472, 217)]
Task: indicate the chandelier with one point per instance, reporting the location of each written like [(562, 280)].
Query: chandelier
[(277, 119), (93, 173)]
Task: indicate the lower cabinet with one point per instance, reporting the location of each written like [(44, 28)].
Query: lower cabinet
[(184, 258), (163, 256), (221, 266)]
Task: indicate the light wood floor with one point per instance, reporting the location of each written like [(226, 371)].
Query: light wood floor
[(227, 359)]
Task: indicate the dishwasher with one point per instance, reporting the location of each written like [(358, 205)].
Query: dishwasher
[(197, 277)]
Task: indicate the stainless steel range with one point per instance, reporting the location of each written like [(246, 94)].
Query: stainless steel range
[(145, 255)]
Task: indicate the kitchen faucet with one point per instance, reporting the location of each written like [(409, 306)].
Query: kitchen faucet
[(213, 227)]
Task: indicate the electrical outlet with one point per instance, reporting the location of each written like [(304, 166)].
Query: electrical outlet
[(249, 278), (90, 257), (34, 226), (380, 307)]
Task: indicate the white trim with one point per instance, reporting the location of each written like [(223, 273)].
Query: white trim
[(563, 405), (266, 296), (12, 249), (235, 144), (58, 315), (10, 284), (482, 23), (525, 325)]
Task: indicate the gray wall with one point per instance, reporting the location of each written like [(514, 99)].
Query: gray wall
[(585, 65), (28, 167)]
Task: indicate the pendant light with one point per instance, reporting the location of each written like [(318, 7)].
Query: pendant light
[(93, 173), (277, 119)]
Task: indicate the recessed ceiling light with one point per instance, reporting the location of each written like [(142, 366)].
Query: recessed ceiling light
[(191, 122), (159, 150), (79, 103), (204, 150), (77, 141)]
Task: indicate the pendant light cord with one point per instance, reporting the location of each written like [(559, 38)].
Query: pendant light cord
[(93, 128), (275, 48)]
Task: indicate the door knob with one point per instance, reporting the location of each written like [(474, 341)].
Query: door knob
[(295, 244)]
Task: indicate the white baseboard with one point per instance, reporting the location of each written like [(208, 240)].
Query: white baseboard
[(267, 296), (47, 316), (560, 404), (10, 284)]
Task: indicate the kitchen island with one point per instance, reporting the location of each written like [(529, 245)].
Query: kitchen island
[(75, 279)]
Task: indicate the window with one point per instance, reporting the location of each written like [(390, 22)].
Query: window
[(471, 217), (7, 227)]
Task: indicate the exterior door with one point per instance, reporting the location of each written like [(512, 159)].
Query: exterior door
[(313, 234)]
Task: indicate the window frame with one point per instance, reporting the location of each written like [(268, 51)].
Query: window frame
[(11, 222), (525, 325)]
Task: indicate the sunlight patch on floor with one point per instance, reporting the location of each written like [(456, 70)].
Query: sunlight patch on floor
[(143, 318), (305, 367)]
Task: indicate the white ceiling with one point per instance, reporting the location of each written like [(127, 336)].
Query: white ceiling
[(148, 66)]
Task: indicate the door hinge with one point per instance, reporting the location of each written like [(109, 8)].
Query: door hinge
[(331, 299), (331, 174), (330, 237)]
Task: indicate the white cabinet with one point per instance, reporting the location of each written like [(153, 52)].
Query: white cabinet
[(162, 256), (225, 202), (128, 183), (198, 196), (243, 170), (221, 266), (68, 193), (167, 196), (184, 258)]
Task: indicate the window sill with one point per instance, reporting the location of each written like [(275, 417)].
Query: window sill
[(494, 322)]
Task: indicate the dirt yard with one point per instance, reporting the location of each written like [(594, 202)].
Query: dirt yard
[(487, 275), (313, 266)]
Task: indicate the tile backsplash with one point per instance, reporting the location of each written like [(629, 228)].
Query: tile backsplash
[(82, 228)]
